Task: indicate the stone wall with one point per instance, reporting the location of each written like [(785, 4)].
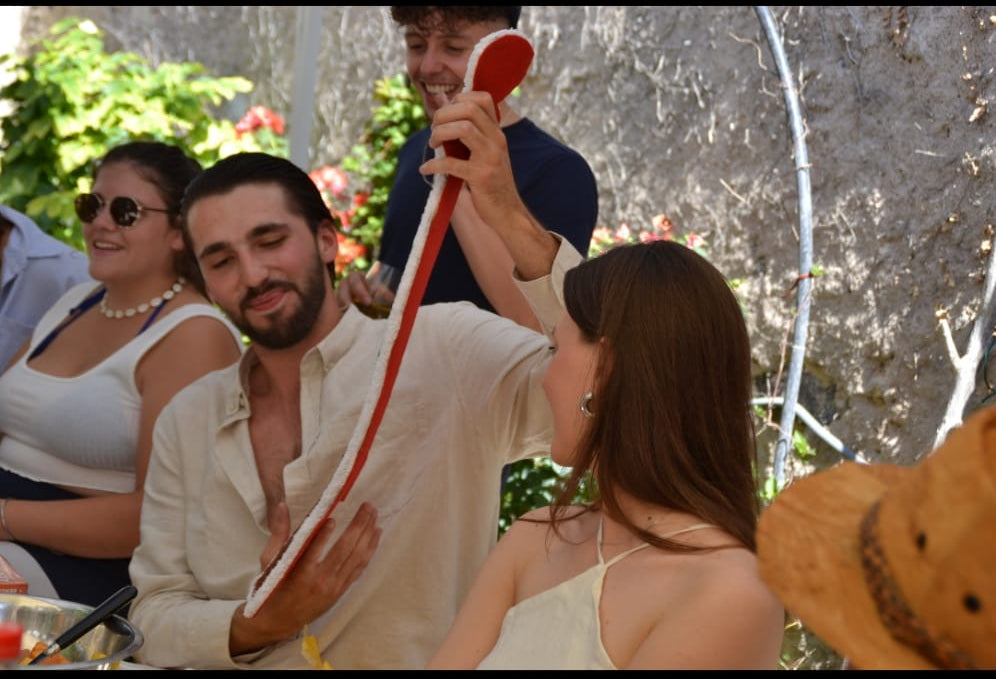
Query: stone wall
[(680, 111)]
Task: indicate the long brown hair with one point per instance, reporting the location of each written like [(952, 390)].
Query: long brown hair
[(672, 423)]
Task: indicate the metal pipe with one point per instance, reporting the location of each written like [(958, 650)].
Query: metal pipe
[(804, 281)]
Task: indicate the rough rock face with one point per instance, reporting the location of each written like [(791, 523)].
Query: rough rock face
[(680, 111)]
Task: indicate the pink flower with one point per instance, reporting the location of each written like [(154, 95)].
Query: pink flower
[(330, 179), (601, 233), (257, 117), (663, 226)]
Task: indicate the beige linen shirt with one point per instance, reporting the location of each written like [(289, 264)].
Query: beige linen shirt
[(467, 400)]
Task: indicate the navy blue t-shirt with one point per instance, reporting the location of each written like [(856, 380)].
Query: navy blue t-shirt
[(554, 181)]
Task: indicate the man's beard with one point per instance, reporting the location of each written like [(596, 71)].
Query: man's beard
[(281, 335)]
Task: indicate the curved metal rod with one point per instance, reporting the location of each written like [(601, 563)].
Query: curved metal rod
[(804, 281), (816, 426)]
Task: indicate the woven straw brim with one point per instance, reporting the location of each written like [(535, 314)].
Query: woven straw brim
[(808, 549)]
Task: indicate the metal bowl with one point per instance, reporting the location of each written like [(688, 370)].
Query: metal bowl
[(44, 619)]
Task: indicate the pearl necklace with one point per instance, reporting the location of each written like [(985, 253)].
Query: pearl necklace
[(145, 306)]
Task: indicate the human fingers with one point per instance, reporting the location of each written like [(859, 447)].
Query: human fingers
[(466, 104), (352, 551), (353, 288), (470, 117), (350, 568), (300, 596), (316, 582), (485, 159), (363, 521)]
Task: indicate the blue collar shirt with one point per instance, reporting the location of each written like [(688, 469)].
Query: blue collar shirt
[(37, 270)]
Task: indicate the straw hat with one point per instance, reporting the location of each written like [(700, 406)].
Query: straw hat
[(894, 567)]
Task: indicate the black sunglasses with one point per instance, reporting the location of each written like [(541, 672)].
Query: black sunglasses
[(125, 211)]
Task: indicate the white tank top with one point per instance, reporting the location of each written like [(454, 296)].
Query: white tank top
[(559, 628), (81, 431)]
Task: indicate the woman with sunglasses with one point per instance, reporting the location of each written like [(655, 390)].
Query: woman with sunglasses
[(79, 401)]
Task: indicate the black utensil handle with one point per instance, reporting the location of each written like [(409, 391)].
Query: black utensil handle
[(109, 607)]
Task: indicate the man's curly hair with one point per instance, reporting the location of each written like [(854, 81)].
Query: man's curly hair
[(446, 16)]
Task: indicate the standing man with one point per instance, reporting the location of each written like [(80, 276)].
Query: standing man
[(35, 270), (555, 182), (242, 456)]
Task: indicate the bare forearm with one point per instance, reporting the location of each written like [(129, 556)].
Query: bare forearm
[(100, 527), (491, 264), (532, 247)]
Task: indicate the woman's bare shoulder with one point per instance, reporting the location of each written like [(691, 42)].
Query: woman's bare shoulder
[(533, 529), (720, 591)]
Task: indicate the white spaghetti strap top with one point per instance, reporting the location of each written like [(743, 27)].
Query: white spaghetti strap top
[(571, 608), (94, 443)]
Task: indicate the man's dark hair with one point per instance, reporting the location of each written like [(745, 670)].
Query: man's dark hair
[(302, 196), (431, 16)]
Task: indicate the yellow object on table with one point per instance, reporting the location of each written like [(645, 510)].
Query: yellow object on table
[(309, 648)]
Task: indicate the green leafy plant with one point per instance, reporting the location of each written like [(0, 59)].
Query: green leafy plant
[(72, 101), (397, 115), (533, 483)]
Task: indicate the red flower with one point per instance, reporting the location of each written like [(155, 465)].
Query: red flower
[(330, 179), (349, 250), (345, 217), (257, 117)]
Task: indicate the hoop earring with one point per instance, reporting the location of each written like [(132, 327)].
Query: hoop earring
[(583, 406)]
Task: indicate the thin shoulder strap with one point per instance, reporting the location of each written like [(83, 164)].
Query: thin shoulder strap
[(73, 314), (617, 557), (598, 542), (622, 555), (687, 529)]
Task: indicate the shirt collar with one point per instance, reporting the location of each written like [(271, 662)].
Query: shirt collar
[(328, 351)]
